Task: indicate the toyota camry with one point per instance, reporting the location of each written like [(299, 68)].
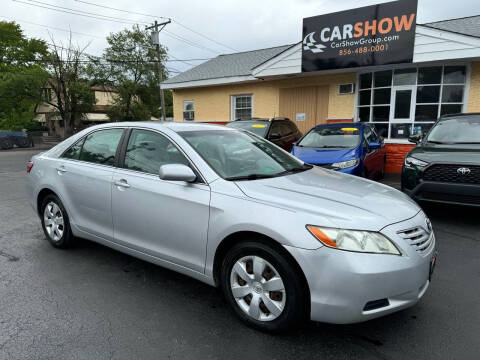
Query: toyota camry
[(285, 241)]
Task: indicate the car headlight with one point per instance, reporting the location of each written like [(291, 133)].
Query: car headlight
[(354, 240), (411, 161), (345, 164)]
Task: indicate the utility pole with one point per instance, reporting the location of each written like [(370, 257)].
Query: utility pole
[(157, 27)]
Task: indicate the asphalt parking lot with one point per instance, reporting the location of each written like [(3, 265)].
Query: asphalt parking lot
[(95, 303)]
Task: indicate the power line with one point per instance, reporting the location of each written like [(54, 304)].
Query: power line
[(173, 20), (93, 16), (55, 28), (106, 18)]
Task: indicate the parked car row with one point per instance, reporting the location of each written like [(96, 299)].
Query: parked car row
[(352, 148), (9, 139)]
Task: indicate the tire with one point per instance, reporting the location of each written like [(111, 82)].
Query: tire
[(55, 222), (6, 144), (287, 307), (22, 142)]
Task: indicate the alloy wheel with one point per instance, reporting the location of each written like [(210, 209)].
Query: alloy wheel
[(258, 288), (53, 220)]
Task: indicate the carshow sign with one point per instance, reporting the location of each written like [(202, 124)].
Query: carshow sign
[(373, 35)]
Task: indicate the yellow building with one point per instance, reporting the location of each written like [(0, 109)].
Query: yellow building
[(443, 78)]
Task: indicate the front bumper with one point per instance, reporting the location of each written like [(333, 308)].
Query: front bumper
[(342, 283), (452, 193)]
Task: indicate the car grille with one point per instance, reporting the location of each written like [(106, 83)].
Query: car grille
[(418, 237), (449, 173), (457, 198)]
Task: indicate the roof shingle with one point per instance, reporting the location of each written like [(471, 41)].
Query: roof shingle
[(238, 64), (465, 26)]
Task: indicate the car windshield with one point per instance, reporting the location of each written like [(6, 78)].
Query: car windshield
[(239, 155), (257, 127), (461, 130), (331, 137)]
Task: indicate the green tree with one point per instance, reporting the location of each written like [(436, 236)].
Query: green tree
[(129, 65), (22, 76)]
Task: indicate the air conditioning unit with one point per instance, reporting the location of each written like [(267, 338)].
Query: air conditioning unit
[(346, 88), (188, 115)]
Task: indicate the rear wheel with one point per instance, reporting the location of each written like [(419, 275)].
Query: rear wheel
[(6, 144), (263, 288), (55, 222)]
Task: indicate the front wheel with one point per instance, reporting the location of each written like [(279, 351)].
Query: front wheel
[(263, 287)]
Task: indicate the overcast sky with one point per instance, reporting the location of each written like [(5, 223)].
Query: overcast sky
[(240, 24)]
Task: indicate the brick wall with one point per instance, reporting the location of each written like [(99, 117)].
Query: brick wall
[(395, 156)]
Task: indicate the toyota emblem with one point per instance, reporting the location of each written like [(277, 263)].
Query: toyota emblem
[(463, 171)]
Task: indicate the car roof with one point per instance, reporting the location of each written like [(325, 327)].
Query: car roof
[(174, 126), (473, 115), (345, 124)]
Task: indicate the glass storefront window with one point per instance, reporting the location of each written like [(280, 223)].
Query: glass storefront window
[(386, 97), (400, 131), (382, 129), (426, 112), (421, 128), (452, 94), (383, 78), (381, 113), (381, 96), (366, 81), (454, 75), (364, 97), (430, 75), (428, 94), (405, 77), (364, 114), (451, 109)]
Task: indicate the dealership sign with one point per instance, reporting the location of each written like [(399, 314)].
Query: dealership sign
[(373, 35)]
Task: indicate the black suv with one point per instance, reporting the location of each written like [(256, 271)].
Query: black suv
[(445, 165), (281, 131)]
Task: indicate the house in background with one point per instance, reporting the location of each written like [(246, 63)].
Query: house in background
[(443, 78), (47, 114)]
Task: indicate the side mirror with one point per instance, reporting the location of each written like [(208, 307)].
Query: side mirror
[(177, 172), (415, 139), (274, 136), (374, 145)]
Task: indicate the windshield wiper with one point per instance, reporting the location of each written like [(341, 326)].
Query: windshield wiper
[(250, 177), (295, 170), (437, 142)]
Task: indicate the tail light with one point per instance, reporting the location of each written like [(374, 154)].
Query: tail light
[(29, 167)]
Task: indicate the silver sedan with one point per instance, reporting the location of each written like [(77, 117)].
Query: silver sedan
[(285, 241)]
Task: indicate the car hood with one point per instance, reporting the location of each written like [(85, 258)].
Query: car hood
[(322, 156), (336, 199), (456, 154)]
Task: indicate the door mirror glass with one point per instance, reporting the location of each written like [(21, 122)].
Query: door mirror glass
[(177, 172), (374, 145)]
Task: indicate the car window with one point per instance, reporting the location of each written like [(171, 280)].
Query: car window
[(276, 128), (285, 129), (240, 154), (257, 127), (459, 130), (331, 137), (100, 147), (369, 135), (148, 150), (291, 126), (74, 151)]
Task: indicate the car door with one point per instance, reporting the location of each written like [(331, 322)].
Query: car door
[(373, 157), (165, 219), (85, 172)]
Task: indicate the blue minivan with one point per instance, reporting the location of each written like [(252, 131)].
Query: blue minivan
[(352, 148)]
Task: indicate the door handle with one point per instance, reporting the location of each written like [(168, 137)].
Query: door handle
[(122, 183), (61, 170)]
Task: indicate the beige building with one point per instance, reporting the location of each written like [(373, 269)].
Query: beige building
[(47, 114), (443, 78)]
